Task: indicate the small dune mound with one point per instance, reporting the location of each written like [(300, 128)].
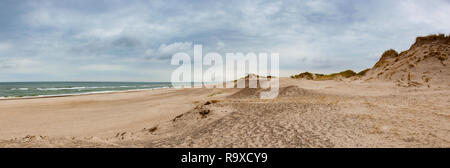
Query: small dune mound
[(294, 91), (385, 57), (251, 86), (425, 64), (289, 91), (198, 112), (246, 93), (251, 78)]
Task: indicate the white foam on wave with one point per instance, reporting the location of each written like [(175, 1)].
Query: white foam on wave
[(89, 87), (19, 89), (85, 93), (76, 88)]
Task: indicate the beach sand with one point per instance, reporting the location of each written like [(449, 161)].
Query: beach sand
[(346, 113)]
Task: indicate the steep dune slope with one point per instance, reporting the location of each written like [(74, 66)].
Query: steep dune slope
[(425, 64)]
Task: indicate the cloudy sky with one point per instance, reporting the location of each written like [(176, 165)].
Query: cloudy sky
[(134, 40)]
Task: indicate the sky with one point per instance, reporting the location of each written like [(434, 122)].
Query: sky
[(112, 40)]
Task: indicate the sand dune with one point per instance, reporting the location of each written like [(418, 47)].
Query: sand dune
[(319, 117), (425, 64), (306, 114), (403, 101)]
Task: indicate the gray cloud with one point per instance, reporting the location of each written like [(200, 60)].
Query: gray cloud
[(4, 64), (144, 34)]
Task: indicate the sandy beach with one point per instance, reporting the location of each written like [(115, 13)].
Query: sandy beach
[(325, 74), (402, 101), (338, 113), (96, 115)]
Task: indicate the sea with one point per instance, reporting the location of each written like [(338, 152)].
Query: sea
[(45, 89)]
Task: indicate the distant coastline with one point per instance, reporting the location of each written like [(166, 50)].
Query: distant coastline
[(31, 90), (80, 94)]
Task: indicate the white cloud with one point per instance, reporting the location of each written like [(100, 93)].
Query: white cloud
[(320, 6), (100, 33), (220, 45), (166, 51), (272, 8), (4, 46), (435, 14), (20, 65)]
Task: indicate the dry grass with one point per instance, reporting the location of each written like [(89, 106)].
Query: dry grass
[(366, 117), (377, 130), (204, 112), (390, 53), (211, 102), (363, 72), (433, 37), (153, 129), (346, 74), (177, 117), (311, 76), (304, 75), (442, 58), (216, 93)]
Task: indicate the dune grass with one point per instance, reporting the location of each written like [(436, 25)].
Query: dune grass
[(316, 76)]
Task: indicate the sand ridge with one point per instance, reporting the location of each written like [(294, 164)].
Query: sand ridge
[(403, 101), (306, 114)]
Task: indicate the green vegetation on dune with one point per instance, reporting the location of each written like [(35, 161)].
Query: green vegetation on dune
[(433, 37), (304, 75), (345, 74), (315, 76), (388, 56), (363, 72)]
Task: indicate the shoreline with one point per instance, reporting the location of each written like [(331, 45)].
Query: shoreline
[(80, 94), (2, 98), (99, 115)]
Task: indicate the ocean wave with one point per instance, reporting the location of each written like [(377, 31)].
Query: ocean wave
[(84, 93), (127, 86), (19, 89), (80, 88)]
